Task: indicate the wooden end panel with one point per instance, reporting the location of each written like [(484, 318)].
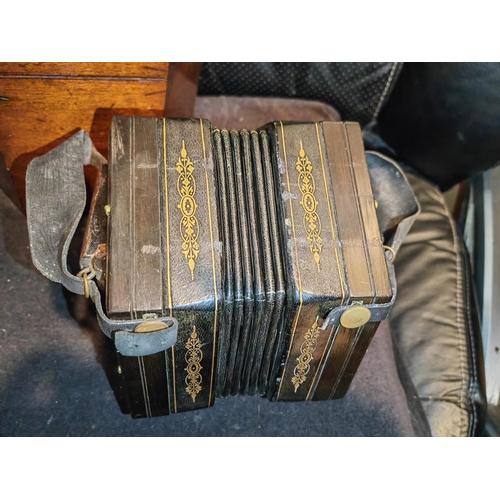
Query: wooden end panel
[(350, 226), (146, 246), (118, 282), (135, 267), (363, 253), (378, 263)]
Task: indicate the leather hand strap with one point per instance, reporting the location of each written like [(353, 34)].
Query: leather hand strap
[(55, 200), (397, 206)]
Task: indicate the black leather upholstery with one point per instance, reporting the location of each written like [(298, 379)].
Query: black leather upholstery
[(357, 90), (434, 320), (444, 119), (477, 380)]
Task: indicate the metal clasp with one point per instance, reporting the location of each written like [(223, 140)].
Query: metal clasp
[(87, 273)]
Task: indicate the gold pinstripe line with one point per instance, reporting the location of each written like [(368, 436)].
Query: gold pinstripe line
[(327, 191), (133, 313), (359, 211), (296, 258), (142, 370), (166, 215), (213, 261), (327, 345), (203, 140), (169, 288), (173, 381), (357, 336), (330, 212)]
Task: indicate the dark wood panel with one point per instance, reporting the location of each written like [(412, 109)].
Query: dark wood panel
[(335, 362), (146, 383), (119, 280), (350, 226), (358, 351), (134, 253), (182, 89), (373, 238)]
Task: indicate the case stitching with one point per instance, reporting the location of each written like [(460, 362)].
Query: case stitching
[(473, 352), (386, 90), (463, 398)]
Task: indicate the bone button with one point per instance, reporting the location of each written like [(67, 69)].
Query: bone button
[(355, 316)]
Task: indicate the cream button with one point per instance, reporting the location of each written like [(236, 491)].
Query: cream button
[(150, 326), (355, 316)]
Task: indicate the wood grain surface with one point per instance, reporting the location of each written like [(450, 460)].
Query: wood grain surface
[(134, 256), (42, 104), (105, 70)]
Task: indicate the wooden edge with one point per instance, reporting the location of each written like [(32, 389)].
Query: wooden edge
[(182, 89)]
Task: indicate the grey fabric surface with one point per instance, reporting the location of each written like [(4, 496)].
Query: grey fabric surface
[(58, 378)]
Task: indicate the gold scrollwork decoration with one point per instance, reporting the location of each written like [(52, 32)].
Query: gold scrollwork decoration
[(312, 221), (193, 359), (306, 355), (189, 227)]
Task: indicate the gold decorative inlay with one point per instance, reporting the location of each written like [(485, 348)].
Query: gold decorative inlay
[(193, 359), (189, 226), (306, 355), (312, 222)]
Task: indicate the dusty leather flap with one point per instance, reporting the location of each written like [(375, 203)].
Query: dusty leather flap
[(397, 206)]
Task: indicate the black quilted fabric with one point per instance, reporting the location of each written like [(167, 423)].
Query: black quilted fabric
[(356, 90)]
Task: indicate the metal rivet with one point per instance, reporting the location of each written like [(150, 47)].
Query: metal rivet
[(355, 317), (107, 210)]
